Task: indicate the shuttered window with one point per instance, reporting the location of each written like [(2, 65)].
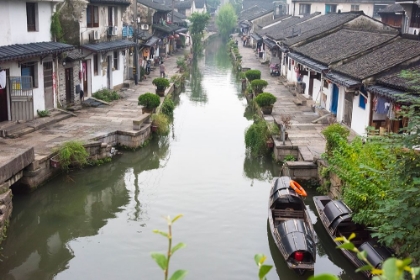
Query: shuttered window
[(92, 16), (31, 16)]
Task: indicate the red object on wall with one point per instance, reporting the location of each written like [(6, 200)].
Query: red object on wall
[(171, 37)]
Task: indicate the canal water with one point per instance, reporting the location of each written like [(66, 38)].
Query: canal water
[(97, 223)]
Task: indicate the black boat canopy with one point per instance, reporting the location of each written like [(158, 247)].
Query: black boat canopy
[(282, 193), (376, 254), (295, 236), (337, 212)]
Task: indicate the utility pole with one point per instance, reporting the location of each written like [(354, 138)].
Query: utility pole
[(136, 50)]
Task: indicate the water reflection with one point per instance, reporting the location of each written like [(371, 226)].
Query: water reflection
[(57, 213), (196, 92), (261, 168)]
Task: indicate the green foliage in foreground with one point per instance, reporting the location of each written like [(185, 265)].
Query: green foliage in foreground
[(106, 95), (168, 106), (162, 122), (163, 260)]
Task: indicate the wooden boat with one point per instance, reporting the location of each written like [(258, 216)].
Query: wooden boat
[(291, 226), (336, 217)]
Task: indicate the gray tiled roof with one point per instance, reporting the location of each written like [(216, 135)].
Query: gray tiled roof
[(23, 51), (393, 94), (342, 44), (75, 55), (308, 62), (391, 9), (317, 26), (271, 21), (183, 5), (111, 2), (265, 4), (381, 59), (178, 17), (167, 28), (109, 46), (395, 80), (276, 32), (252, 13), (154, 5), (199, 4), (357, 2)]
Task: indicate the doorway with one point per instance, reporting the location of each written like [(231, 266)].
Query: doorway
[(108, 72), (69, 86), (4, 107), (48, 85)]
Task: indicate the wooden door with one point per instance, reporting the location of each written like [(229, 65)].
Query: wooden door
[(48, 85), (69, 86)]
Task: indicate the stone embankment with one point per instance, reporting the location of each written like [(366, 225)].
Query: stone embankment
[(305, 141), (26, 148)]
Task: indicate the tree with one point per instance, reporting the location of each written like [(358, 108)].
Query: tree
[(226, 20), (237, 5), (198, 24)]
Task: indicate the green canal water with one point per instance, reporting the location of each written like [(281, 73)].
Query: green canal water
[(97, 223)]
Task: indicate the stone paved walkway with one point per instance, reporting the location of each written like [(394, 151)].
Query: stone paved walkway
[(304, 134)]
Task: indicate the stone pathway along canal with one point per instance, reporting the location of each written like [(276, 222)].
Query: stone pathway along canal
[(97, 223)]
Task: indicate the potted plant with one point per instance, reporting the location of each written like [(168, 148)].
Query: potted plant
[(266, 101), (258, 86), (161, 84), (253, 75), (149, 101)]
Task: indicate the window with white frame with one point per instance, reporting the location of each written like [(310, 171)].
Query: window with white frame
[(354, 8), (32, 16), (330, 8), (304, 9)]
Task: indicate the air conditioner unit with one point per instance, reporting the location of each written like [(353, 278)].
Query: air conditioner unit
[(96, 35), (144, 26), (112, 30)]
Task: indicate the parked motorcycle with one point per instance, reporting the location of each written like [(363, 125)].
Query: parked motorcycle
[(275, 70)]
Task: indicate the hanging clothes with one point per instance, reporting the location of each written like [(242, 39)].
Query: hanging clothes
[(2, 79), (380, 108)]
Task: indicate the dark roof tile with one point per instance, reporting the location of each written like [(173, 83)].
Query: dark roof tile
[(265, 4), (316, 26), (155, 5), (395, 80), (276, 32), (391, 9), (111, 2), (252, 13), (381, 59), (23, 51), (199, 4), (109, 46), (342, 44)]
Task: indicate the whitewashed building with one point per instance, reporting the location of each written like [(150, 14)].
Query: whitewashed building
[(28, 59)]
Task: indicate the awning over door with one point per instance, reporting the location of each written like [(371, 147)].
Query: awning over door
[(24, 51), (109, 46)]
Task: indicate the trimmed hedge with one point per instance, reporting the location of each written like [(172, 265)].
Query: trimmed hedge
[(265, 99), (253, 75)]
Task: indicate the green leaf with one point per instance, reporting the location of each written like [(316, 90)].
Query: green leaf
[(179, 275), (352, 236), (347, 246), (390, 269), (258, 258), (324, 276), (264, 269), (364, 268), (416, 270), (161, 233), (177, 247), (361, 255), (176, 218), (161, 260)]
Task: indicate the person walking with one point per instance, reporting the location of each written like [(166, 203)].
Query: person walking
[(162, 70)]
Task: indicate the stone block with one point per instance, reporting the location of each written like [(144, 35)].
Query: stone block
[(6, 198)]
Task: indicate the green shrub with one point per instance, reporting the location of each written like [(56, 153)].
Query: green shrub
[(161, 83), (168, 106), (106, 95), (253, 75), (259, 85), (162, 122), (72, 153), (265, 99), (256, 137), (333, 134), (43, 113), (149, 100)]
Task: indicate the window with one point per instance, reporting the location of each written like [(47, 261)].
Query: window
[(95, 64), (304, 9), (112, 16), (31, 18), (362, 101), (115, 66), (354, 8), (92, 16), (376, 9), (330, 8), (415, 17), (29, 69)]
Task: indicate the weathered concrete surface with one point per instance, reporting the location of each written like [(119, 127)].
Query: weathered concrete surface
[(13, 160), (303, 134)]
